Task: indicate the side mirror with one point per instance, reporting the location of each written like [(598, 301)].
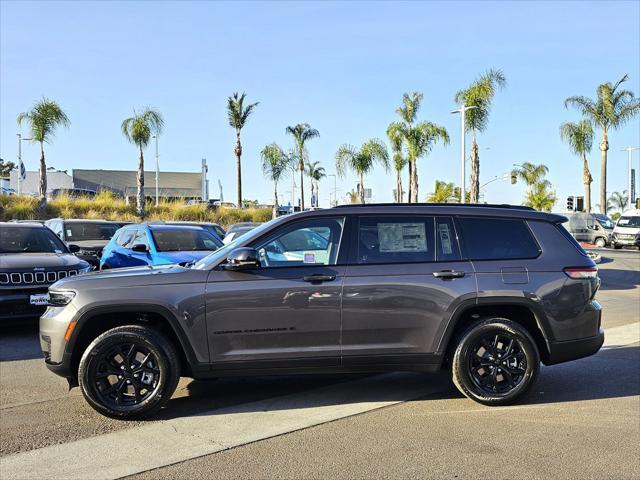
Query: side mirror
[(242, 259), (73, 248), (140, 247)]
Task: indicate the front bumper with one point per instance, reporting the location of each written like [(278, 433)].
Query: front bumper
[(15, 304), (626, 240)]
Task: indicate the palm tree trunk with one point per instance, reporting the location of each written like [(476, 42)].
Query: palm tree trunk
[(604, 146), (474, 187), (361, 188), (587, 179), (414, 182), (410, 194), (238, 152), (398, 186), (275, 199), (301, 184), (43, 180), (140, 203)]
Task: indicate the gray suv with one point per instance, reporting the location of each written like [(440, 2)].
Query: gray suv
[(485, 291)]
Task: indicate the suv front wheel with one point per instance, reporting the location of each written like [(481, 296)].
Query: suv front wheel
[(129, 372), (495, 362)]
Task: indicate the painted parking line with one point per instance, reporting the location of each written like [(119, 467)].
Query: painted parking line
[(164, 443)]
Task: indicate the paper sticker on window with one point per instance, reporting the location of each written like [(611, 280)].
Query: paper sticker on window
[(309, 258), (402, 237), (69, 234), (445, 238)]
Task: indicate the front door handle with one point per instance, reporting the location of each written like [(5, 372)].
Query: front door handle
[(317, 278), (448, 274)]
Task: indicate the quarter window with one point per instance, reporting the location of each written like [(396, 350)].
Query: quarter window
[(498, 239), (309, 242)]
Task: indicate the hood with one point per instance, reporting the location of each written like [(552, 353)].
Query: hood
[(90, 244), (626, 230), (180, 257), (21, 261)]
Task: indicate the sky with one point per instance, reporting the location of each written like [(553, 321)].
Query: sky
[(340, 66)]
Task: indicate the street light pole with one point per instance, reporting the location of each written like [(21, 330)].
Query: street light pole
[(629, 150), (20, 166), (157, 171), (462, 110), (335, 191)]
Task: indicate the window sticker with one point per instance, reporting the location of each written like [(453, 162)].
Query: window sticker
[(445, 238), (402, 237), (58, 251), (69, 234), (309, 258)]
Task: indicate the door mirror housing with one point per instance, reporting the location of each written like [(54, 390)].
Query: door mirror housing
[(242, 259), (73, 248), (140, 247)]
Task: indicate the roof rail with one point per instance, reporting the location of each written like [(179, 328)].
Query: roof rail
[(465, 205)]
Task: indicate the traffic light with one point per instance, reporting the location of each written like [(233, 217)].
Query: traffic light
[(579, 204), (514, 177), (570, 204)]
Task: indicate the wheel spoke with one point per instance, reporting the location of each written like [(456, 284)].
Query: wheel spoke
[(508, 377), (129, 354)]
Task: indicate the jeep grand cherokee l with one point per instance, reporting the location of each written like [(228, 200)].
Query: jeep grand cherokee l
[(485, 291), (31, 259)]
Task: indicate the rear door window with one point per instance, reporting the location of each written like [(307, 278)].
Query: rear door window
[(396, 239), (498, 238)]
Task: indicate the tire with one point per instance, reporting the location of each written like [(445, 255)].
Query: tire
[(473, 364), (137, 387), (600, 242)]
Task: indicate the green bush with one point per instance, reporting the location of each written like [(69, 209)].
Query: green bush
[(109, 207)]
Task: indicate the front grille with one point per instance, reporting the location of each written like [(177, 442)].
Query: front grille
[(35, 278)]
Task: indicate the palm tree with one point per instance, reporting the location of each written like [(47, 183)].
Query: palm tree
[(362, 161), (579, 137), (532, 174), (138, 130), (541, 197), (302, 133), (43, 119), (444, 193), (238, 114), (611, 109), (618, 201), (353, 196), (315, 173), (275, 164), (399, 160), (479, 95)]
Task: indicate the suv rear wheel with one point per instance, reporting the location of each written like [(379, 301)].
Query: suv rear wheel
[(129, 372), (495, 362)]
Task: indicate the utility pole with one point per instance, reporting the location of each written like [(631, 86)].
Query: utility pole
[(157, 171), (20, 164), (462, 110), (629, 151)]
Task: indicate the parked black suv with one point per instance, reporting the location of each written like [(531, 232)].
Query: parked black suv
[(487, 291), (31, 259)]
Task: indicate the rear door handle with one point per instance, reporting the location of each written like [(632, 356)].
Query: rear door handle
[(448, 274), (317, 278)]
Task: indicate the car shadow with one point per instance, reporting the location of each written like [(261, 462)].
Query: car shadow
[(19, 341), (608, 374), (614, 279)]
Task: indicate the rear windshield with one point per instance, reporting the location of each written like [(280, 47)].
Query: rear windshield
[(184, 240), (30, 240), (629, 222), (77, 231)]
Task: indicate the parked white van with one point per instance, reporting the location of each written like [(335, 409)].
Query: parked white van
[(627, 229)]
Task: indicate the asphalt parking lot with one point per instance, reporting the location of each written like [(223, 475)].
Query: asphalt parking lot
[(581, 420)]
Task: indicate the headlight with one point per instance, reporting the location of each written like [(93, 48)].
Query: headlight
[(87, 269), (60, 299)]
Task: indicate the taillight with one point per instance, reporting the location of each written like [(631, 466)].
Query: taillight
[(579, 273)]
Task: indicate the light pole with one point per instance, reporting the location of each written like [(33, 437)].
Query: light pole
[(462, 110), (335, 191), (20, 166), (157, 171), (630, 150)]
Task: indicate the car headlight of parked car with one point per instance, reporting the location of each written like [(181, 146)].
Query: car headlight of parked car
[(60, 298)]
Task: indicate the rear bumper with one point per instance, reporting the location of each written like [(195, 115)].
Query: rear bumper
[(573, 349)]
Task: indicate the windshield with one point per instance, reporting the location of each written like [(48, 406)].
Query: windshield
[(30, 240), (173, 240), (629, 222), (606, 222), (78, 232), (206, 262)]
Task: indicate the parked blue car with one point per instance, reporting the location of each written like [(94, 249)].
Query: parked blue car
[(157, 244)]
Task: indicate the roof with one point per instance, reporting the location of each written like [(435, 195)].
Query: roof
[(86, 220), (35, 224), (178, 184)]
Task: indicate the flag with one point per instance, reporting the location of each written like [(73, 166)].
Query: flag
[(23, 171)]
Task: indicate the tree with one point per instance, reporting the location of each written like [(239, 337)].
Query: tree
[(43, 119), (362, 160), (444, 193), (138, 130), (315, 173), (618, 201), (479, 95), (353, 196), (579, 137), (238, 114), (399, 160), (6, 167), (532, 174), (275, 164), (302, 133), (611, 109), (541, 197)]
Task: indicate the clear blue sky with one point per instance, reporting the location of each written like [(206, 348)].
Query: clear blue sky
[(342, 67)]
